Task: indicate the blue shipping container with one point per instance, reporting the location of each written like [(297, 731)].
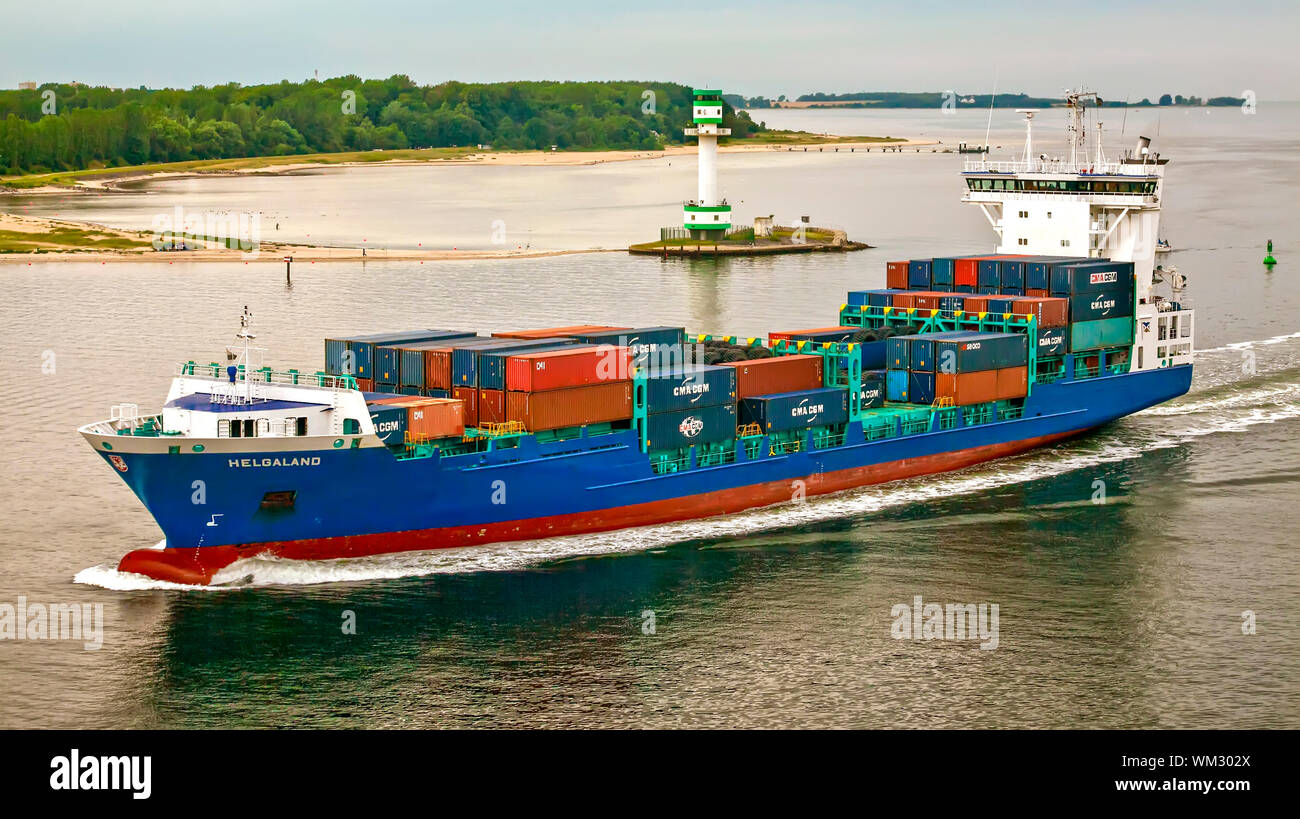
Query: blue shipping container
[(363, 347), (390, 423), (990, 274), (874, 354), (666, 343), (1012, 273), (963, 288), (920, 387), (872, 394), (1051, 341), (685, 387), (972, 352), (918, 274), (697, 425), (952, 304), (1000, 305), (898, 352), (921, 354), (796, 410), (1101, 304), (879, 298), (1091, 276), (896, 384), (941, 271)]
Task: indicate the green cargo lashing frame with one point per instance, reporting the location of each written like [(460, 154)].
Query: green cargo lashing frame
[(640, 412), (944, 321)]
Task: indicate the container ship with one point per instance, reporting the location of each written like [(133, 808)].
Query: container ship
[(437, 438)]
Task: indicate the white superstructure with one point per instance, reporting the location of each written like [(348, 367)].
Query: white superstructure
[(1087, 204)]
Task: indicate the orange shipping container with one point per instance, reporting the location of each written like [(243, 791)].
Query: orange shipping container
[(437, 369), (1013, 382), (555, 332), (896, 275), (928, 300), (430, 417), (769, 376), (1036, 293), (469, 397), (1049, 312), (975, 304), (366, 384), (967, 388), (903, 300), (491, 407), (573, 407)]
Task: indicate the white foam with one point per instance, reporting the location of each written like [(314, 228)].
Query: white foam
[(1243, 345)]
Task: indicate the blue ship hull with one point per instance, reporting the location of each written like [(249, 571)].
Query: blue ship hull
[(352, 502)]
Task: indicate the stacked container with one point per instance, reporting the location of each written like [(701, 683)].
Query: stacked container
[(429, 418), (556, 388), (691, 405), (362, 349), (1101, 302), (963, 366)]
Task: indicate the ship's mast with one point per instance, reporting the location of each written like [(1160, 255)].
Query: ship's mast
[(241, 352)]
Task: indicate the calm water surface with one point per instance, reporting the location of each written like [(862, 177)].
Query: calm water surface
[(1118, 615)]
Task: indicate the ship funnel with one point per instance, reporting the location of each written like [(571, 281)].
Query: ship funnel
[(1143, 144)]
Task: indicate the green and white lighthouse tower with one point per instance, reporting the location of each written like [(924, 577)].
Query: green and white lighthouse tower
[(708, 215)]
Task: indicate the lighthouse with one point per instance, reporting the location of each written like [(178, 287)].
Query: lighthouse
[(708, 215)]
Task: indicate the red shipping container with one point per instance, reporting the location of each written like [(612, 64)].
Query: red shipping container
[(561, 369), (903, 300), (555, 332), (1035, 293), (966, 272), (1049, 312), (491, 407), (366, 384), (437, 369), (975, 304), (896, 275), (967, 388), (1013, 382), (468, 396), (769, 376), (573, 407)]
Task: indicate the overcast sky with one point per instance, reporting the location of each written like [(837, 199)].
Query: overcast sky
[(1133, 49)]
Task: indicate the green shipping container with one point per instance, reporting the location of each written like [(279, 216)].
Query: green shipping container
[(1095, 335)]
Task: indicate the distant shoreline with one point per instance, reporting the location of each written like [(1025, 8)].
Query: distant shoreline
[(112, 178)]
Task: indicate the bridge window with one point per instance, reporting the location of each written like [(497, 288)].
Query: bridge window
[(302, 425), (351, 426), (1022, 241)]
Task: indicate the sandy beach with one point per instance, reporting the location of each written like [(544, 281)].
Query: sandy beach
[(276, 251)]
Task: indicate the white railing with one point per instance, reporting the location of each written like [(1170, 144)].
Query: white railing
[(301, 379), (998, 196), (1054, 166)]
